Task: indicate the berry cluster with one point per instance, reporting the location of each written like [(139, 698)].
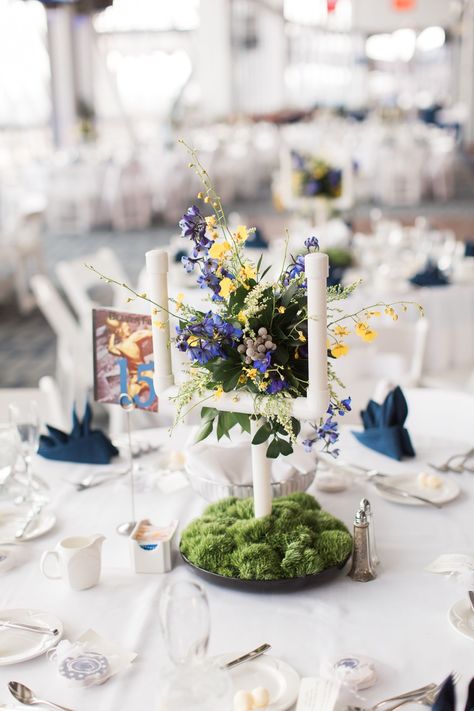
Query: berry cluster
[(257, 349)]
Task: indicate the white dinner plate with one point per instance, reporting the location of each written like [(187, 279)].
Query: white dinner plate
[(19, 645), (281, 680), (461, 616), (448, 491), (12, 519)]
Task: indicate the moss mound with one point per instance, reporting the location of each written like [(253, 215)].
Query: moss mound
[(298, 538)]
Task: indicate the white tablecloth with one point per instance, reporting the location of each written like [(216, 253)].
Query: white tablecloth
[(400, 619)]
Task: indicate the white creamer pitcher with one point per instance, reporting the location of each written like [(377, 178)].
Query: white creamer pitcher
[(78, 561)]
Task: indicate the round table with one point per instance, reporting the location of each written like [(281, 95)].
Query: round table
[(400, 619)]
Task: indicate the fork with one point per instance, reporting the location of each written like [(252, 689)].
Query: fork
[(419, 696), (458, 468)]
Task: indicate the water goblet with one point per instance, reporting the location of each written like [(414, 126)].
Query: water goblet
[(28, 427), (9, 451), (185, 621)]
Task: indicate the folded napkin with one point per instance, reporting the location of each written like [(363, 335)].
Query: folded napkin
[(231, 463), (256, 240), (431, 275), (446, 700), (383, 426), (469, 248), (83, 445)]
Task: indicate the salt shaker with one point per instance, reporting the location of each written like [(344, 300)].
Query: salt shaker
[(366, 507), (362, 569)]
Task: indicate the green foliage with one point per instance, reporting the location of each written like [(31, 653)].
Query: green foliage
[(298, 538)]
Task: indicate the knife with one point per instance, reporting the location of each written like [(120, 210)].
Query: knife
[(29, 628), (35, 511), (471, 599), (406, 494), (246, 657)]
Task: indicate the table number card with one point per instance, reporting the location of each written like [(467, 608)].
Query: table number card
[(123, 358)]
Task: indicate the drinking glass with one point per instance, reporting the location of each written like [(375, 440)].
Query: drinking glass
[(185, 621), (28, 428), (9, 450)]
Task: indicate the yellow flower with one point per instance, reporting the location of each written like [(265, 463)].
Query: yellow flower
[(301, 337), (242, 317), (227, 286), (339, 349), (241, 233), (360, 328), (262, 386), (252, 373), (211, 221), (242, 378), (214, 234), (159, 324), (341, 331), (370, 314), (154, 311), (219, 250), (179, 301), (193, 341), (369, 335), (281, 309), (206, 199), (247, 272), (219, 392), (200, 196)]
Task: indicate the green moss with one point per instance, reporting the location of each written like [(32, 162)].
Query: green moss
[(298, 538)]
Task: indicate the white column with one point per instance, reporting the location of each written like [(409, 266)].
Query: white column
[(64, 123), (157, 277), (261, 476), (83, 51), (214, 59), (465, 72)]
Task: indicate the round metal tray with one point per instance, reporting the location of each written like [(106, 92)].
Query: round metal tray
[(261, 586)]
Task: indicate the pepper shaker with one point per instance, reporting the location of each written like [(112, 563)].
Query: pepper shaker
[(362, 569), (366, 507)]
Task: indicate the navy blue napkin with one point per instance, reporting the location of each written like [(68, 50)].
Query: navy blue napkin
[(430, 276), (383, 426), (446, 700), (83, 445), (469, 248), (256, 240)]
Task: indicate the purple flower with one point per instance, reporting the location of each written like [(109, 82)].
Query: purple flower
[(204, 340), (346, 406), (311, 243), (276, 385), (294, 270), (263, 364), (193, 225), (326, 432)]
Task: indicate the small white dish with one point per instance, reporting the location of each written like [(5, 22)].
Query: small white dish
[(12, 519), (448, 491), (461, 616), (20, 645), (281, 680)]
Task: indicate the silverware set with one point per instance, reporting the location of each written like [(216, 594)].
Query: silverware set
[(456, 463), (425, 695)]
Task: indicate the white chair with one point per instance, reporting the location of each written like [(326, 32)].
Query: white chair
[(132, 203), (446, 414), (84, 289), (48, 397), (72, 198), (74, 372)]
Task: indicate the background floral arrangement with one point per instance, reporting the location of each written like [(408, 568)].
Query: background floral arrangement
[(313, 177), (253, 337)]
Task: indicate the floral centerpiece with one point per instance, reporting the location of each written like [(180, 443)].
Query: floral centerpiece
[(253, 340), (313, 177)]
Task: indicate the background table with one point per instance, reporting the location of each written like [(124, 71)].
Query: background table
[(400, 619)]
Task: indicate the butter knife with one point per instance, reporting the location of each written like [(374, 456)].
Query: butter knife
[(406, 494), (246, 657), (471, 599), (29, 628)]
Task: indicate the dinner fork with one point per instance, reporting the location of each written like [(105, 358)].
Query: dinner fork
[(419, 696), (458, 468)]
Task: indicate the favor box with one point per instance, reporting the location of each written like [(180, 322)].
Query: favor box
[(150, 547)]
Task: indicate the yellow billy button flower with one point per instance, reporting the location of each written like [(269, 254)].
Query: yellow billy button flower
[(219, 250), (281, 309), (339, 349), (341, 331), (360, 328), (219, 392), (241, 233), (227, 286), (369, 335), (301, 337)]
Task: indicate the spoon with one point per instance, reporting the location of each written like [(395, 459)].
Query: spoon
[(125, 529), (25, 696)]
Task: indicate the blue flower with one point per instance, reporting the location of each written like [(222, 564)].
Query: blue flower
[(263, 364), (294, 270), (311, 243), (346, 406), (193, 225), (204, 340), (276, 385), (326, 432)]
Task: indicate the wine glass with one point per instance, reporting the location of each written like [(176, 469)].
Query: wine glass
[(28, 428), (9, 450), (185, 621)]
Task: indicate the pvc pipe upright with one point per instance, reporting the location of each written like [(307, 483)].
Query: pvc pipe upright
[(157, 277), (261, 476), (317, 270)]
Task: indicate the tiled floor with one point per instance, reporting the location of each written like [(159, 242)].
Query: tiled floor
[(27, 344)]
